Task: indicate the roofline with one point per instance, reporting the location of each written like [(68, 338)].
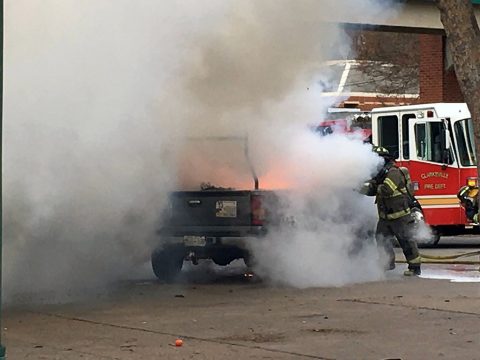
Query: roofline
[(369, 95), (334, 110), (416, 107)]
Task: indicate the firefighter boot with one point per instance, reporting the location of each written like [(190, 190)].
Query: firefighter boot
[(391, 261), (413, 267), (390, 265)]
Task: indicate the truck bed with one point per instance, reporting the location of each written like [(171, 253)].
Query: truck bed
[(210, 208), (215, 212)]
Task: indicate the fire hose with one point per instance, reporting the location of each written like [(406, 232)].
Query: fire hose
[(448, 259)]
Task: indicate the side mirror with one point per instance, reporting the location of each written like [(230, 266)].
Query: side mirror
[(445, 145), (444, 139), (445, 136)]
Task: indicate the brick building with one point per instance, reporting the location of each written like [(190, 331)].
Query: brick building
[(435, 79)]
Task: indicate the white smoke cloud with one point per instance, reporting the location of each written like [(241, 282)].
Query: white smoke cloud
[(332, 242), (92, 111), (101, 95)]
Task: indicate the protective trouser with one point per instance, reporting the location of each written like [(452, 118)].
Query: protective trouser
[(402, 229)]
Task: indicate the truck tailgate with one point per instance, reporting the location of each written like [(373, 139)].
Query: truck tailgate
[(211, 208)]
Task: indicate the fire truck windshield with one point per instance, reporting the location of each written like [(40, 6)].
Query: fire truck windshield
[(464, 137)]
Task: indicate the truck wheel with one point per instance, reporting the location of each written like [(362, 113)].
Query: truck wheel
[(222, 261), (248, 259), (167, 263)]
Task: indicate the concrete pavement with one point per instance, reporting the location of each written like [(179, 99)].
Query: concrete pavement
[(230, 317)]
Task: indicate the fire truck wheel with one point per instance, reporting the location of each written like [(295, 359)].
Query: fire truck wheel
[(167, 263)]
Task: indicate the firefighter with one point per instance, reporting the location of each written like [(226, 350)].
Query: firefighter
[(393, 201), (468, 196)]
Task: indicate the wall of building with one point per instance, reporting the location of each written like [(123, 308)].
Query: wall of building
[(437, 84)]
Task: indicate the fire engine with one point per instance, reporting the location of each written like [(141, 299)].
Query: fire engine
[(346, 121), (436, 143)]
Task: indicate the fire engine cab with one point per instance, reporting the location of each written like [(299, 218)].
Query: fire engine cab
[(436, 143)]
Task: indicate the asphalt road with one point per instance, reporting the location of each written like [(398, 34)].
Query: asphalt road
[(458, 242), (226, 315)]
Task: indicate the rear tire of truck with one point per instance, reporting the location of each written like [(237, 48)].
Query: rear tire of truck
[(167, 263), (248, 260)]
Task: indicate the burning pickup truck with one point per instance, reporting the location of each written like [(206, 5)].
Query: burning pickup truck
[(213, 223)]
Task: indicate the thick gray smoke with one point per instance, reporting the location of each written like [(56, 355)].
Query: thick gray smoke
[(330, 242), (92, 111), (101, 97)]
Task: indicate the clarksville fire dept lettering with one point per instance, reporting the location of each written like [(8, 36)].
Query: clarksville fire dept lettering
[(434, 174), (427, 175), (435, 186)]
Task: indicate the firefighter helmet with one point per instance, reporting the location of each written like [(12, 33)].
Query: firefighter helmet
[(381, 151)]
